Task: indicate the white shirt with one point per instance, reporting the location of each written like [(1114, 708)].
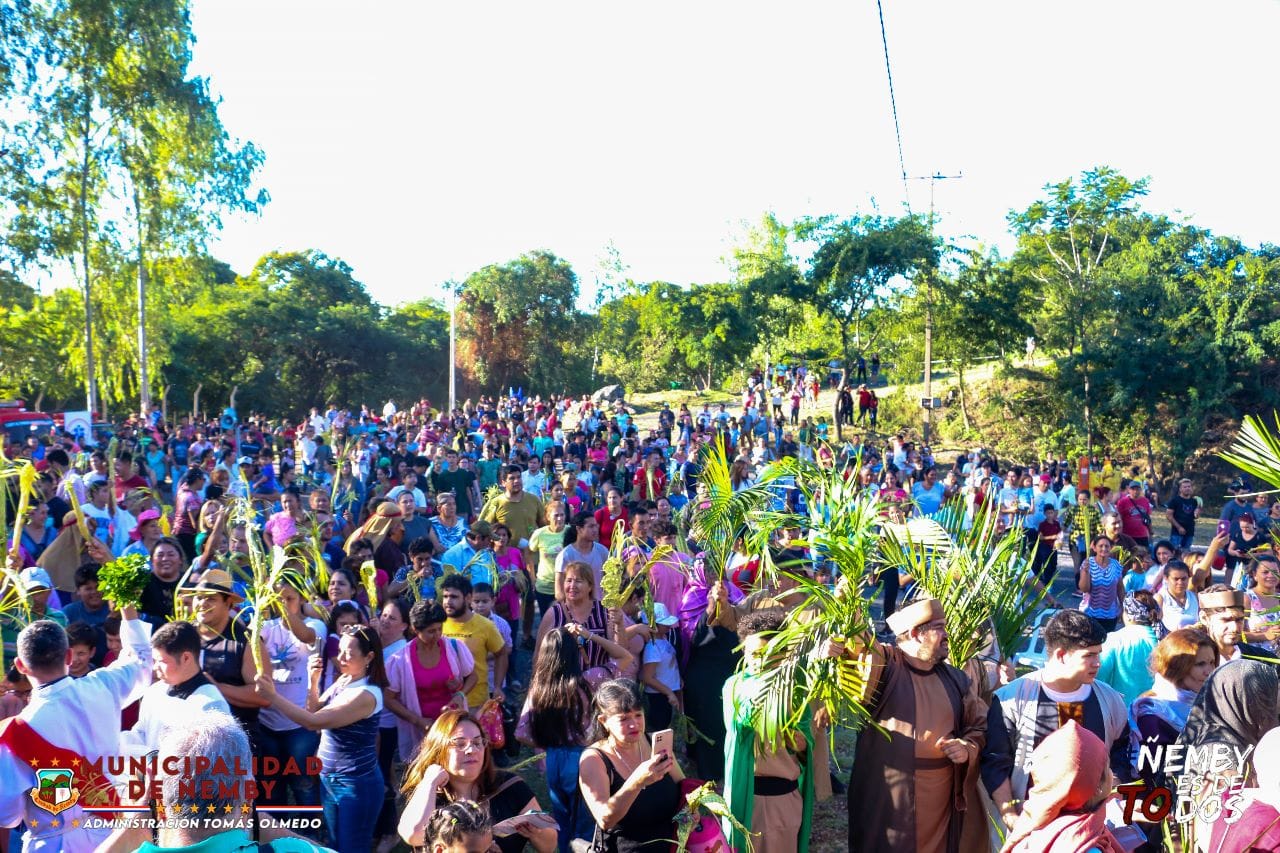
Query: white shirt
[(160, 709), (289, 658), (419, 499), (81, 715)]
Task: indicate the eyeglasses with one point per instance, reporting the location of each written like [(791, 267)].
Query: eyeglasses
[(461, 744)]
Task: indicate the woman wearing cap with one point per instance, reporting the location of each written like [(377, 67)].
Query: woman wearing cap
[(146, 534), (346, 715)]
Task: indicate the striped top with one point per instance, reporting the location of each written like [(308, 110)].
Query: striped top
[(352, 749)]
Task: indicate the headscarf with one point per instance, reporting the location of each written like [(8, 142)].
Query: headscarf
[(1142, 614), (376, 528), (1065, 810), (1167, 701), (696, 595), (1236, 706), (64, 554)]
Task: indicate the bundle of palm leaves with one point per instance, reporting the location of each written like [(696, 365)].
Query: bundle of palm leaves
[(983, 580)]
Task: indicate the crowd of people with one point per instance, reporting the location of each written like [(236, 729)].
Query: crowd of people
[(468, 628)]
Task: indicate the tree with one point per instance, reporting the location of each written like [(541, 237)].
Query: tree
[(859, 264), (115, 117), (518, 325), (1063, 242)]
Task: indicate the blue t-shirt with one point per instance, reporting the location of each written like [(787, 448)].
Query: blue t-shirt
[(929, 501)]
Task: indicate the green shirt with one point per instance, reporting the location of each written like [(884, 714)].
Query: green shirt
[(234, 840), (548, 545), (11, 626), (488, 470)]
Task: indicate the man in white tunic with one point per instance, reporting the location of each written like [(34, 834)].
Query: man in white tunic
[(69, 723), (182, 694)]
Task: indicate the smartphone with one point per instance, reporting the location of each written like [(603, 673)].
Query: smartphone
[(1223, 526), (664, 741)]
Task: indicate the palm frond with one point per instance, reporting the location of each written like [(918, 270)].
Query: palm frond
[(1257, 450)]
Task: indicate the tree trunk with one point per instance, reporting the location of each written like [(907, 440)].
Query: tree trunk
[(91, 390), (964, 400), (144, 383), (195, 405)]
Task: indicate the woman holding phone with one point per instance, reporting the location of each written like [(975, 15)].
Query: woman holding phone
[(631, 789)]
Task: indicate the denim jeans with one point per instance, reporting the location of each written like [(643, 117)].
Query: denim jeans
[(351, 806), (298, 744), (567, 806), (1181, 541)]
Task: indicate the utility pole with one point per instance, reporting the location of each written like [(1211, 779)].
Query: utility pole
[(453, 343), (928, 311)]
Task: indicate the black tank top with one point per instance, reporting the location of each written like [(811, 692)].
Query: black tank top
[(222, 659), (648, 826)]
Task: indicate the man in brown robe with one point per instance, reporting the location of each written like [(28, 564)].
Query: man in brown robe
[(906, 791)]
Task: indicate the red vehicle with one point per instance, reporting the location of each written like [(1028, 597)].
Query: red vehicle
[(18, 424)]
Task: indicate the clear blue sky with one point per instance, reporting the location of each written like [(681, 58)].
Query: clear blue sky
[(419, 141)]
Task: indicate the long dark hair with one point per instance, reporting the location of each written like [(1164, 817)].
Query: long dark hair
[(575, 524), (558, 692)]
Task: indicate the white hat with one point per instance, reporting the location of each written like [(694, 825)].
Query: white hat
[(34, 577), (661, 616)]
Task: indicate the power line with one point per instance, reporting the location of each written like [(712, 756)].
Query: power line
[(897, 129)]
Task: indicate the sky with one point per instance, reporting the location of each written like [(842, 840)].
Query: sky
[(420, 141)]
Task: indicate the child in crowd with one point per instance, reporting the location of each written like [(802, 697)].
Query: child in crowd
[(82, 639), (482, 603), (659, 671)]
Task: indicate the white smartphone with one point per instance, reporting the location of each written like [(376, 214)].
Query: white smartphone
[(664, 741)]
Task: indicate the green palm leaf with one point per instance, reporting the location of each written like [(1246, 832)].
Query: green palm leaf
[(1257, 450)]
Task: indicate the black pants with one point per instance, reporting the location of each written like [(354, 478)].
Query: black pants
[(889, 578), (388, 743), (658, 717)]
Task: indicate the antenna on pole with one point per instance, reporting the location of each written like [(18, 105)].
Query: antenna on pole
[(927, 402)]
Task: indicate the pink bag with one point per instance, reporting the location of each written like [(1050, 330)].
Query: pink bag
[(490, 720), (707, 836)]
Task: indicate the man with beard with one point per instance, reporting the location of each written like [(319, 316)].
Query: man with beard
[(480, 635), (913, 781), (1222, 612)]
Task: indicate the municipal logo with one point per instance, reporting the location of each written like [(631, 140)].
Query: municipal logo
[(55, 790)]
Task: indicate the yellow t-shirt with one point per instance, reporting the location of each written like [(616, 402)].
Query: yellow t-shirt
[(483, 639)]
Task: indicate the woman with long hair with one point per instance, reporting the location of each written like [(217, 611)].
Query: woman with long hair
[(346, 715), (455, 763), (633, 793), (556, 717), (168, 565), (1263, 600)]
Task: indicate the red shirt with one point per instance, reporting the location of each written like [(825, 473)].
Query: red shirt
[(608, 523), (641, 482)]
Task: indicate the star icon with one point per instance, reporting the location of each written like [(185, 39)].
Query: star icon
[(53, 762), (227, 809), (76, 823), (34, 824), (177, 809), (212, 809), (34, 763), (244, 808), (54, 823), (75, 762)]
